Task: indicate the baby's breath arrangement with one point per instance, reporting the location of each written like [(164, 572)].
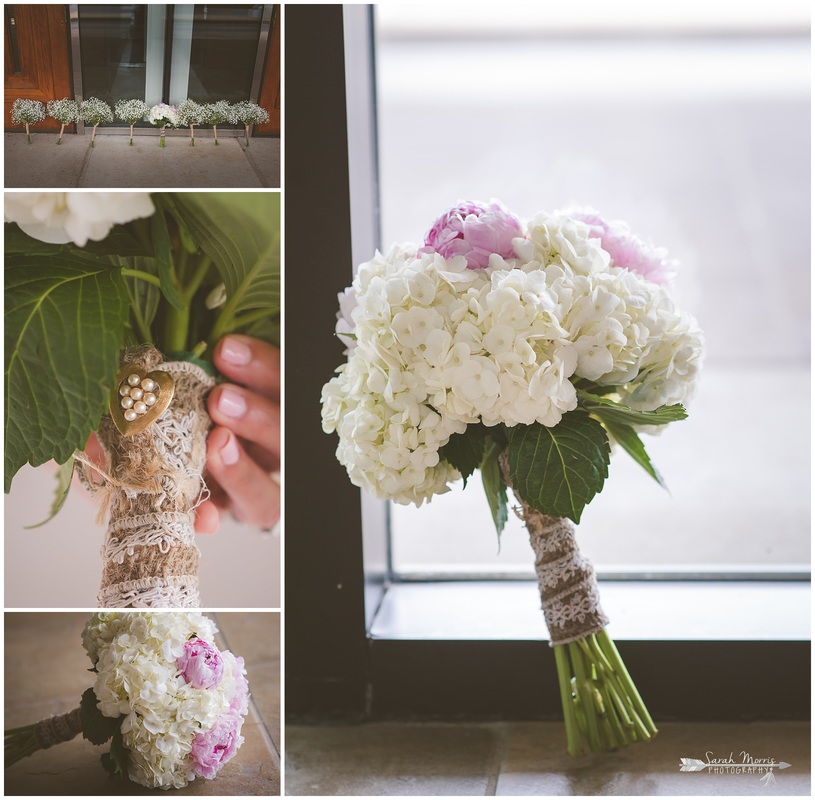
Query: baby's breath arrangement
[(94, 111), (27, 112), (250, 114), (191, 114), (219, 113), (63, 111), (131, 112)]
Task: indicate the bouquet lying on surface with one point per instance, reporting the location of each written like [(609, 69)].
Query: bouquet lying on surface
[(521, 350), (170, 703), (114, 303)]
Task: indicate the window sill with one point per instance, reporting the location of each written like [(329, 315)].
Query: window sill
[(697, 651), (638, 610)]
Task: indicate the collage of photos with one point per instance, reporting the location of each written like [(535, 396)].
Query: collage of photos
[(394, 402)]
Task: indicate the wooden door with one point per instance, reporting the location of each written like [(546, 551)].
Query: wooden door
[(37, 57), (270, 86)]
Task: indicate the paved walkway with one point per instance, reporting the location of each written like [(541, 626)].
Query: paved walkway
[(113, 163)]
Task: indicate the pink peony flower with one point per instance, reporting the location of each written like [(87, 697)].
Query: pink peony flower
[(475, 231), (211, 750), (201, 664), (626, 249)]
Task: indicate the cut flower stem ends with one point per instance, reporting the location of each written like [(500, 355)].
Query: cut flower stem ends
[(602, 708)]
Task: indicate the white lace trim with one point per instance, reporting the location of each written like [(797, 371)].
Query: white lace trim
[(178, 591)]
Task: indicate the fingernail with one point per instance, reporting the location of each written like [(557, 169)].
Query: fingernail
[(230, 452), (232, 404), (236, 352)]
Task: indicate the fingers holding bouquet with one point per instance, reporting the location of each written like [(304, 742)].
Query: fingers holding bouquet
[(243, 449)]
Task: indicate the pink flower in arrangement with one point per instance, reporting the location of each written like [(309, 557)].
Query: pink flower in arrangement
[(211, 750), (201, 664), (626, 249), (475, 231)]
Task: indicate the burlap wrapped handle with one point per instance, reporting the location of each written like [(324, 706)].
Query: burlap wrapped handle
[(568, 588), (153, 483)]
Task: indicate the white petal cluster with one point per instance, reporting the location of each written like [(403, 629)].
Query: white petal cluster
[(65, 111), (191, 113), (162, 114), (95, 111), (135, 655), (438, 346), (61, 217), (250, 113), (131, 111), (24, 110)]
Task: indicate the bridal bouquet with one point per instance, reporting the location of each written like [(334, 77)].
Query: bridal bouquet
[(523, 350), (170, 703), (110, 328)]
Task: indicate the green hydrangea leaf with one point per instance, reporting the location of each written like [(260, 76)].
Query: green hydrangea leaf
[(164, 258), (494, 486), (465, 451), (628, 439), (65, 475), (96, 727), (116, 760), (559, 470), (607, 409), (244, 246), (64, 327)]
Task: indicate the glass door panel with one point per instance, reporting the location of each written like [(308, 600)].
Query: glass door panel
[(224, 51), (168, 53)]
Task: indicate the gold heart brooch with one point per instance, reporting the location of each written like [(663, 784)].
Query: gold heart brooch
[(139, 398)]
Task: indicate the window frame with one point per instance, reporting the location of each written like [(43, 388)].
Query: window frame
[(336, 548)]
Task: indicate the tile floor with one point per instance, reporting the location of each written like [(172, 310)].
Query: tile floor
[(528, 758), (113, 163), (46, 673)]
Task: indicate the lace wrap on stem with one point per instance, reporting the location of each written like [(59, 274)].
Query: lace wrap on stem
[(155, 481), (568, 588), (58, 729)]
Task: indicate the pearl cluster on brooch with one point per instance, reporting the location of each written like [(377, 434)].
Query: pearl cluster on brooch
[(137, 396)]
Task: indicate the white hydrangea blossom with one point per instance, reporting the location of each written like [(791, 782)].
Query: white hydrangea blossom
[(61, 217), (438, 346), (135, 655)]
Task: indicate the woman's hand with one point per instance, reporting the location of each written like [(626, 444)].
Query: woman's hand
[(243, 449)]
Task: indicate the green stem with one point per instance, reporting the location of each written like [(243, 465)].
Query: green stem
[(199, 349), (584, 691), (178, 324), (197, 278), (573, 746), (608, 647), (141, 324), (143, 276)]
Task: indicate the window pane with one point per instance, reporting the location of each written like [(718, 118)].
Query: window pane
[(702, 144), (224, 49), (112, 42)]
